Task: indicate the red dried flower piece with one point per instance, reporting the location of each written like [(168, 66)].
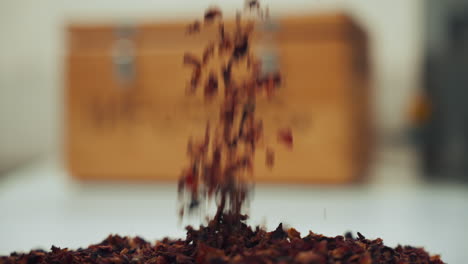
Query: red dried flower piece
[(285, 137), (211, 87), (189, 178)]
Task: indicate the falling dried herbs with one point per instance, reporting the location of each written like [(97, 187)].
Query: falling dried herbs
[(223, 166)]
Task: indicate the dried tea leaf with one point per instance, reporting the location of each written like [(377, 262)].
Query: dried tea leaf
[(293, 233), (226, 73), (212, 13), (270, 158), (208, 53), (253, 4), (221, 31), (211, 86), (194, 27), (224, 46), (191, 59), (194, 81), (279, 233), (241, 48)]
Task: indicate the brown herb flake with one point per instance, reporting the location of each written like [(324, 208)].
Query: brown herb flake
[(253, 4), (211, 87), (224, 46), (241, 48), (190, 59), (212, 13), (194, 27), (195, 80), (208, 53)]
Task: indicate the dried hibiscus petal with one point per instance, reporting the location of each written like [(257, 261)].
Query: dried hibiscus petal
[(285, 137), (189, 178), (211, 87)]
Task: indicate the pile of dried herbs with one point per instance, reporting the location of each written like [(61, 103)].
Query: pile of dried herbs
[(230, 240)]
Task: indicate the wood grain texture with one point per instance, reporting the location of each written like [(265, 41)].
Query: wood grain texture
[(139, 130)]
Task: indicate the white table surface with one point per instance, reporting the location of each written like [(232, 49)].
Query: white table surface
[(40, 206)]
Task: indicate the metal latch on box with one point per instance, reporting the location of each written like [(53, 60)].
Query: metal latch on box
[(123, 55), (268, 50)]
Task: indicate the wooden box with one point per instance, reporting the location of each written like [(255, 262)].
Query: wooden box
[(128, 118)]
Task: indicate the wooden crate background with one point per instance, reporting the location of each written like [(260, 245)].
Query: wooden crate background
[(139, 131)]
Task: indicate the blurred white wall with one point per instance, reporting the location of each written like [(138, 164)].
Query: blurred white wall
[(32, 45)]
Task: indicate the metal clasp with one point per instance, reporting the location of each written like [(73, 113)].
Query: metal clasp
[(268, 50), (123, 55)]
